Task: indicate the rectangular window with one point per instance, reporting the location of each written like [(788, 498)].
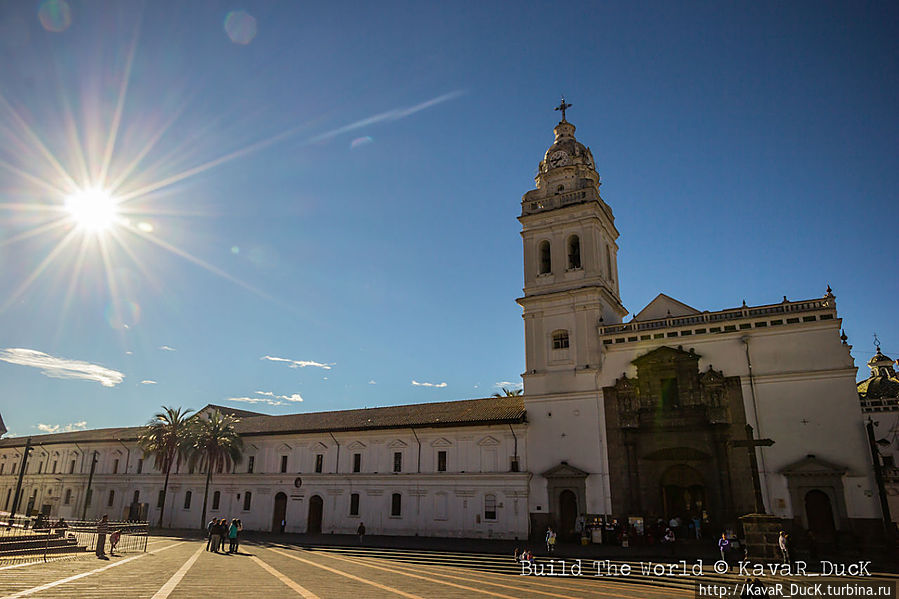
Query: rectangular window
[(489, 507), (354, 504), (396, 505), (216, 499), (140, 465), (136, 498), (808, 319), (40, 467), (115, 467), (775, 323), (283, 463), (357, 462), (187, 497), (68, 498), (247, 501), (110, 499), (160, 498), (699, 331), (319, 462), (72, 467), (397, 461), (53, 470), (792, 320), (745, 326), (759, 325), (2, 466), (441, 461), (514, 466), (251, 463)]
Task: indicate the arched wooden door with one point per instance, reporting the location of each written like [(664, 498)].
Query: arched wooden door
[(279, 514), (820, 515), (567, 513), (314, 524)]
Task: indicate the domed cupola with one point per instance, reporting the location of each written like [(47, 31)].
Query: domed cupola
[(567, 158), (883, 382)]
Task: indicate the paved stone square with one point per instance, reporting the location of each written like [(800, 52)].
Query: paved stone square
[(181, 568)]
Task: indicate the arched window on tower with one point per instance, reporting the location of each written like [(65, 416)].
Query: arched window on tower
[(574, 252), (546, 264), (560, 340)]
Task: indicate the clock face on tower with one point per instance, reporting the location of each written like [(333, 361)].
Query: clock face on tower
[(558, 158)]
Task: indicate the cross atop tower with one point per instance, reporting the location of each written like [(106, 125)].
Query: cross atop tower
[(563, 107)]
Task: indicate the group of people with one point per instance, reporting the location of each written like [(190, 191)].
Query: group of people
[(218, 530)]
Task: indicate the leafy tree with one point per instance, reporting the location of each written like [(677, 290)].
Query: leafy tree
[(214, 445), (164, 438), (508, 393)]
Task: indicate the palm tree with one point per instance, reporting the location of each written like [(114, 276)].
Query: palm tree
[(214, 445), (508, 393), (164, 439)]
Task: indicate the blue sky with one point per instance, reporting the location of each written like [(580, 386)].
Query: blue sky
[(336, 185)]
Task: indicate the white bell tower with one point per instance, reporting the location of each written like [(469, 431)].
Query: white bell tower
[(570, 269)]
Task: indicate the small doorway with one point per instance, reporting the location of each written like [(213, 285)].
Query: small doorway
[(279, 514), (314, 525), (820, 515), (683, 493), (567, 513)]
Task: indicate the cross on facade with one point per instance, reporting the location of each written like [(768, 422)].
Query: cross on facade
[(750, 443), (563, 107)]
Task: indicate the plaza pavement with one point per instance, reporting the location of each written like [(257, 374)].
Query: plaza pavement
[(179, 567)]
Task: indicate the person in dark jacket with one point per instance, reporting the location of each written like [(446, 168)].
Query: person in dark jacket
[(102, 531)]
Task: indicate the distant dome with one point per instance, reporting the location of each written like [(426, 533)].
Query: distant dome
[(883, 382)]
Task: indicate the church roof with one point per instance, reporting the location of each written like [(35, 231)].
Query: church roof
[(469, 412), (664, 306)]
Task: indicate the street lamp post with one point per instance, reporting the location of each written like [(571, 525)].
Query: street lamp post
[(90, 479)]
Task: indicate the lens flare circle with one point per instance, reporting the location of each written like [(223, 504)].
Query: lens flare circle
[(240, 27), (92, 209), (55, 15)]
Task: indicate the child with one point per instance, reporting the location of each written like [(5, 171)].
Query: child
[(114, 540)]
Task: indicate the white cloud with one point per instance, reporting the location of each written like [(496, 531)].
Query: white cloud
[(60, 428), (62, 368), (508, 385), (167, 348), (417, 384), (264, 400), (298, 363), (269, 398), (148, 382), (372, 382), (129, 353)]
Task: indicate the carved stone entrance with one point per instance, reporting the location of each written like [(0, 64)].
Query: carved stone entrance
[(669, 431)]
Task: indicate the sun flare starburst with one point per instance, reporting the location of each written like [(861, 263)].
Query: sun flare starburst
[(93, 209)]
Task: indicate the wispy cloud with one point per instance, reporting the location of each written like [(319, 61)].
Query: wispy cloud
[(372, 382), (147, 382), (62, 368), (63, 428), (269, 398), (390, 115), (298, 363), (417, 384), (167, 348)]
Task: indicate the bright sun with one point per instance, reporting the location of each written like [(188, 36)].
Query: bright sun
[(93, 209)]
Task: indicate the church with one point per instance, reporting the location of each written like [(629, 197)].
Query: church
[(677, 411)]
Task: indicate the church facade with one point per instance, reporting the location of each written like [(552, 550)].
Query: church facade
[(676, 412)]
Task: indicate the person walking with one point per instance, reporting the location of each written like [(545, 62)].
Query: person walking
[(723, 545), (237, 538), (552, 541), (102, 531), (784, 548), (283, 525), (549, 532), (361, 532), (697, 526)]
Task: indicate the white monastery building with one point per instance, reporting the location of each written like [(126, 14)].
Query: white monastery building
[(675, 412)]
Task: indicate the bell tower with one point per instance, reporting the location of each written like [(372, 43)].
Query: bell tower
[(570, 268)]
